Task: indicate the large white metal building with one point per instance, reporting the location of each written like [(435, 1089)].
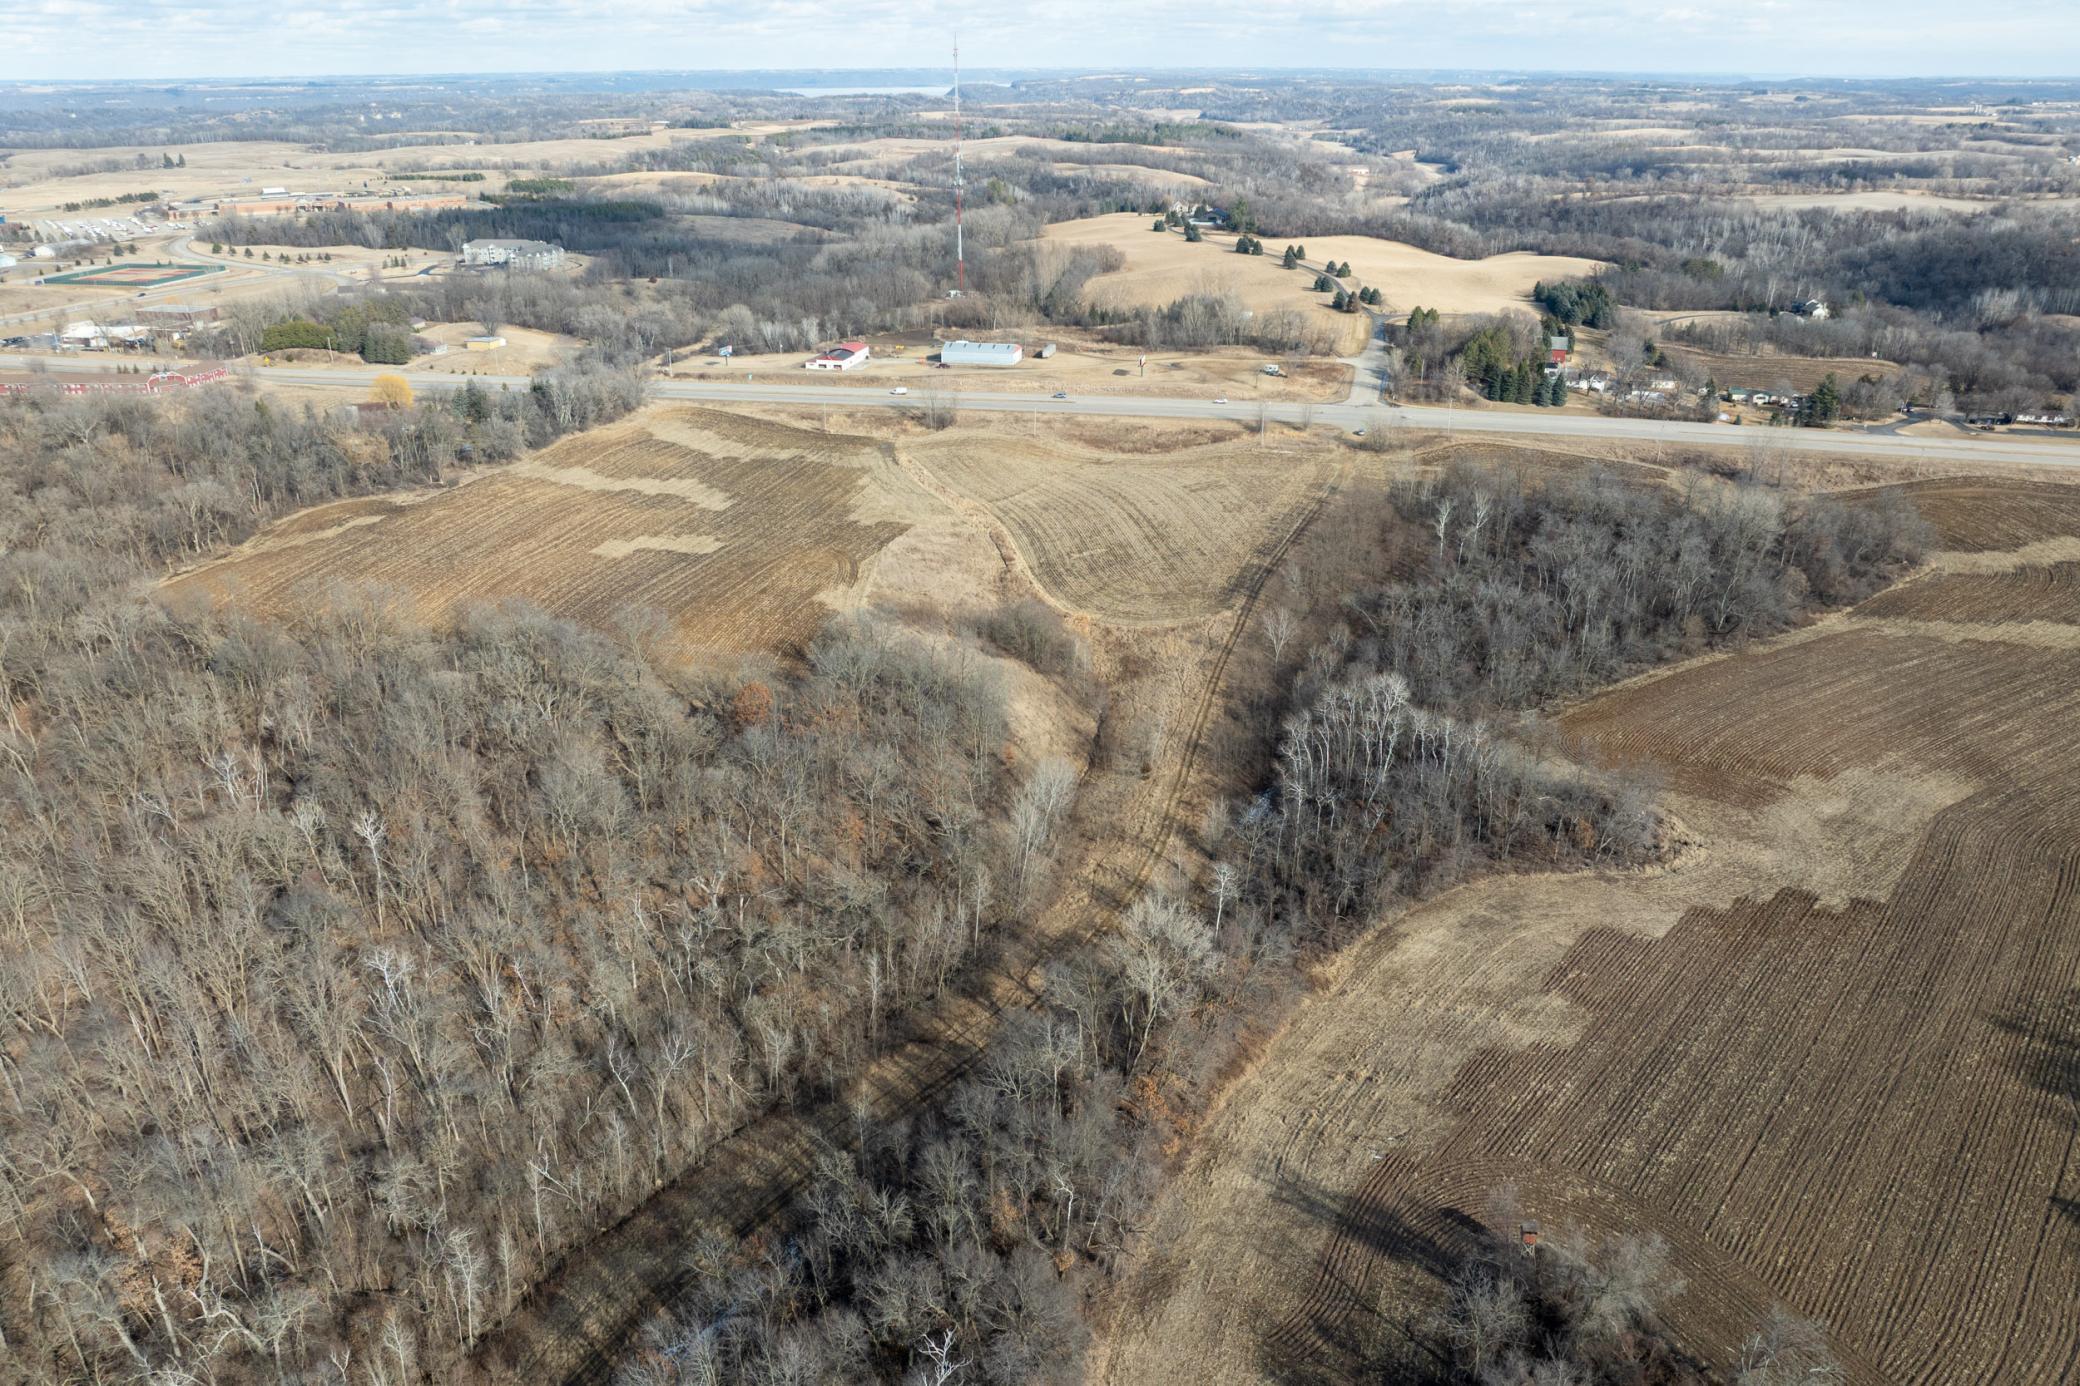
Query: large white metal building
[(965, 353)]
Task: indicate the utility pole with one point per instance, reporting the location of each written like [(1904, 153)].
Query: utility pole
[(960, 182)]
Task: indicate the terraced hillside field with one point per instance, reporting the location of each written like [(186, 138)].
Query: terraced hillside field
[(1830, 1053), (733, 528)]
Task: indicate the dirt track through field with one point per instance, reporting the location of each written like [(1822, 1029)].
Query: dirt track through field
[(576, 1325), (1823, 1053)]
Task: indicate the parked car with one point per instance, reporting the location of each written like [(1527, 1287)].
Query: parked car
[(1061, 394), (900, 390)]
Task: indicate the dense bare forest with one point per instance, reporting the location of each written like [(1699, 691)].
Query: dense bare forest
[(353, 970)]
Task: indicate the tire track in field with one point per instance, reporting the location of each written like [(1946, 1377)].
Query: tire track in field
[(579, 1320)]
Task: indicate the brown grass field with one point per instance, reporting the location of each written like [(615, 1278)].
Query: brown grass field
[(731, 528), (1773, 372), (1163, 268), (1131, 540), (1827, 1052), (746, 532)]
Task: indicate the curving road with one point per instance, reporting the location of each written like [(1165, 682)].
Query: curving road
[(1548, 425)]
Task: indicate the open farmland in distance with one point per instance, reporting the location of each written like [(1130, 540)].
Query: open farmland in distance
[(1162, 268), (1828, 1052)]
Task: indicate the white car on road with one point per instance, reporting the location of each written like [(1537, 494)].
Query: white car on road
[(900, 390)]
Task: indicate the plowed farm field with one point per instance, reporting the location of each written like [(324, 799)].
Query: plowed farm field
[(734, 529), (1828, 1052), (1132, 539)]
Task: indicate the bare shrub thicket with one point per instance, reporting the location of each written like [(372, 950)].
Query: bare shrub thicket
[(1033, 633), (1585, 1311)]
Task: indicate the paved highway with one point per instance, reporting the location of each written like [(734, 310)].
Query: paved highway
[(1547, 426)]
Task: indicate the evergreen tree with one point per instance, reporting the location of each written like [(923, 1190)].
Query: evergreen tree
[(1191, 233), (1161, 225), (1343, 301), (1291, 258), (1823, 406)]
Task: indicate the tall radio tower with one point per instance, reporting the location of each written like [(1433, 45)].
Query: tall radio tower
[(960, 182)]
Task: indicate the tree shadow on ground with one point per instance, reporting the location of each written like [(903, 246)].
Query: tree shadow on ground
[(2047, 1057), (1364, 1324)]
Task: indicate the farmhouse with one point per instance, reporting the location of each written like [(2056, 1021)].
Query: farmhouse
[(964, 353), (512, 254), (843, 357)]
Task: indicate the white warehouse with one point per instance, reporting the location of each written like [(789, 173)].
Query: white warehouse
[(981, 353)]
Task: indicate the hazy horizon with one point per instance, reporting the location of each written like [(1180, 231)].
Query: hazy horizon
[(170, 40)]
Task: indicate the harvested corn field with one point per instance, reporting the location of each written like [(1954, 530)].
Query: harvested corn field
[(1828, 1053)]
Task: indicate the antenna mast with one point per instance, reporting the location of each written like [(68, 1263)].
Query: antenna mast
[(960, 181)]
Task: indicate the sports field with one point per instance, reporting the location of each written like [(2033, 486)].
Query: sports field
[(132, 276)]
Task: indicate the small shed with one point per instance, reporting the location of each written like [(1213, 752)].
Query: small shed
[(486, 343), (1047, 351)]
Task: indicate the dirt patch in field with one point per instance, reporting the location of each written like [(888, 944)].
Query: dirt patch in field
[(1809, 1052), (524, 352)]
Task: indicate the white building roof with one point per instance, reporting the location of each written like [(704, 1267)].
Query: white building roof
[(1006, 350)]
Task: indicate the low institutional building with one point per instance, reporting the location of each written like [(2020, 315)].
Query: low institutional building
[(512, 254), (965, 353)]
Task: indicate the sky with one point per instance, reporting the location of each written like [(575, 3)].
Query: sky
[(104, 39)]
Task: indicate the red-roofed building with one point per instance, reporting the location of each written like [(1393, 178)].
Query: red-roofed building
[(842, 357)]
